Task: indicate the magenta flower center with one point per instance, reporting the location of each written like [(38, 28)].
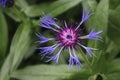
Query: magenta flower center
[(68, 37)]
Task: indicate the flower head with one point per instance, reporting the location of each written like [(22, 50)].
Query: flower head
[(4, 2), (66, 37)]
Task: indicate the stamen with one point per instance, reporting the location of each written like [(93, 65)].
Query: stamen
[(70, 51), (65, 24), (55, 29), (74, 51)]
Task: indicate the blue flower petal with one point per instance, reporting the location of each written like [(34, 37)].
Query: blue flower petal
[(3, 2), (85, 16), (74, 60), (56, 57), (48, 22), (92, 35), (88, 50), (47, 50), (45, 26), (42, 38)]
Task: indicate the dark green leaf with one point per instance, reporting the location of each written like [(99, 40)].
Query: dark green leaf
[(112, 50), (99, 21), (114, 3), (113, 76), (98, 77), (114, 29), (114, 66), (3, 37)]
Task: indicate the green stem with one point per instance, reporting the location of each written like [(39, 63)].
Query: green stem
[(86, 60)]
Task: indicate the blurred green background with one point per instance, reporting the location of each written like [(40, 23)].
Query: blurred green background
[(19, 59)]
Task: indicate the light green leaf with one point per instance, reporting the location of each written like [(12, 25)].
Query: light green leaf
[(52, 72), (54, 8), (43, 72), (20, 46), (21, 3), (13, 13)]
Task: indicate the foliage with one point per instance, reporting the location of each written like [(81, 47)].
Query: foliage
[(20, 60)]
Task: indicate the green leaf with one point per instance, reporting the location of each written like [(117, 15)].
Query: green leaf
[(97, 77), (112, 51), (21, 44), (54, 8), (89, 5), (113, 76), (99, 21), (114, 66), (114, 29), (13, 13), (114, 3), (3, 37), (46, 72), (21, 3), (43, 72)]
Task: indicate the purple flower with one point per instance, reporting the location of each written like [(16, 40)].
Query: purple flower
[(4, 2), (66, 37)]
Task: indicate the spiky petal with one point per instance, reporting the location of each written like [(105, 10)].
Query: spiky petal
[(85, 16), (56, 57), (42, 38), (88, 49), (92, 35), (48, 22), (47, 50), (73, 59)]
